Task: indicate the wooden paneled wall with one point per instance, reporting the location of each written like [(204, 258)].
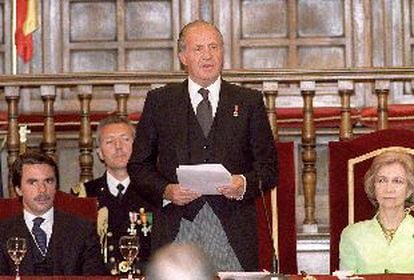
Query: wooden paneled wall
[(130, 35)]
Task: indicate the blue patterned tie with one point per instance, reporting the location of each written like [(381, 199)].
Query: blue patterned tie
[(39, 234), (204, 112)]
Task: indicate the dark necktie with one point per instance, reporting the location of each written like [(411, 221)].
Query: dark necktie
[(120, 188), (204, 112), (39, 234)]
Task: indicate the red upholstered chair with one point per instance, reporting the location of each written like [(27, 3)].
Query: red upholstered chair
[(83, 207), (9, 207), (281, 201), (348, 163)]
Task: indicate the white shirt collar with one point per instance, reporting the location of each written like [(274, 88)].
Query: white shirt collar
[(213, 96), (113, 182), (47, 224)]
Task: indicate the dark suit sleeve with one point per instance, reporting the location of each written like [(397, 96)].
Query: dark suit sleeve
[(4, 258), (142, 164), (92, 263), (4, 267), (262, 148)]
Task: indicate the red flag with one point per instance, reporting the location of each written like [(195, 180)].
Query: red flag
[(26, 23)]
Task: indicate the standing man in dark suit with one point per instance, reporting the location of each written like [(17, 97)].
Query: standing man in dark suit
[(57, 243), (205, 120), (116, 197)]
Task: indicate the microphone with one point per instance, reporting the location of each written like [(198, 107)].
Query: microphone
[(275, 274)]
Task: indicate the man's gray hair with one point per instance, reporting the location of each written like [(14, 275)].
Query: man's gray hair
[(184, 31)]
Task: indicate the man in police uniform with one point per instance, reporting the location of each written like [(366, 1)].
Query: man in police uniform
[(119, 203)]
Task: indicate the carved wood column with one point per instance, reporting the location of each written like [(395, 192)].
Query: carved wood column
[(382, 90), (308, 154), (270, 90), (122, 92), (85, 134), (12, 95), (346, 89), (48, 144)]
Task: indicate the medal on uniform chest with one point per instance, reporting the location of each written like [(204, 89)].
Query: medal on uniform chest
[(133, 218), (124, 266), (145, 220)]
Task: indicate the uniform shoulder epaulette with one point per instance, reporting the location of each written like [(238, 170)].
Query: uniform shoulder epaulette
[(79, 190)]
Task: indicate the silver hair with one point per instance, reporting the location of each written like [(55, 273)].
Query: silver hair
[(187, 27)]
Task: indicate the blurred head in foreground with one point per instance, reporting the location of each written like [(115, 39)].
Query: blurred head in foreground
[(180, 262)]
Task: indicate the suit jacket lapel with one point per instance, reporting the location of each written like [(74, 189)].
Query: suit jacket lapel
[(19, 227), (180, 105), (103, 186), (222, 125), (56, 248), (225, 105)]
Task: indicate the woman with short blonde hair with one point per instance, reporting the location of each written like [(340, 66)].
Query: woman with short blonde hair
[(385, 243)]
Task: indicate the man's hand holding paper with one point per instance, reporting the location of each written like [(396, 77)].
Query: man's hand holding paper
[(235, 190), (179, 194), (211, 179), (204, 178)]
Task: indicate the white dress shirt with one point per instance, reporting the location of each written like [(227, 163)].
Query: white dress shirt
[(47, 224), (213, 96), (113, 183)]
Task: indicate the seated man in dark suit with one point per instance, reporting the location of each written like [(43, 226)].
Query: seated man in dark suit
[(57, 243), (118, 202)]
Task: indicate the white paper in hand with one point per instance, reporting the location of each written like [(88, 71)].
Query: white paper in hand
[(203, 178)]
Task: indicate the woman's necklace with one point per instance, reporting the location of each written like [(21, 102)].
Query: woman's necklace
[(389, 233)]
